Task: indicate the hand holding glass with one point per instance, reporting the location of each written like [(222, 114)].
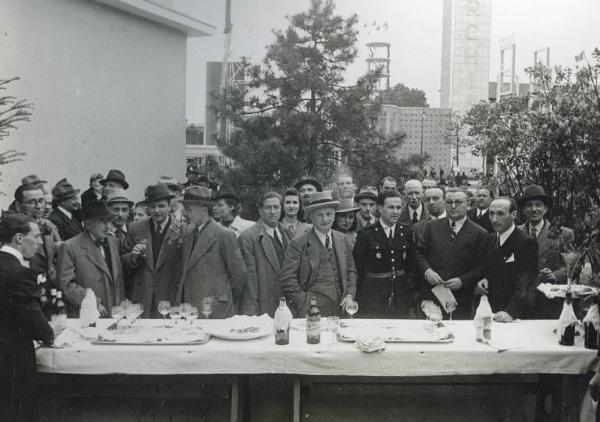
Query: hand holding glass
[(351, 307)]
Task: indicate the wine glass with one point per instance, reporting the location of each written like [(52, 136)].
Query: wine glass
[(351, 307), (143, 242), (426, 307), (175, 313), (192, 314), (435, 313), (450, 307), (164, 307), (184, 310), (206, 306)]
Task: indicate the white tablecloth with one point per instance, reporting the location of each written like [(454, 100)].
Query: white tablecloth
[(533, 349)]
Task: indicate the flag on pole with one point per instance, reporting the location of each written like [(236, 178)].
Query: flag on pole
[(580, 57)]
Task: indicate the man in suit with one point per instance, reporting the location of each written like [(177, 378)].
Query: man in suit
[(176, 190), (388, 184), (95, 191), (414, 210), (212, 262), (345, 186), (91, 260), (30, 201), (115, 179), (319, 263), (227, 209), (21, 318), (450, 254), (65, 216), (366, 199), (306, 187), (434, 199), (155, 261), (120, 209), (384, 257), (480, 214), (551, 242), (263, 247), (510, 264)]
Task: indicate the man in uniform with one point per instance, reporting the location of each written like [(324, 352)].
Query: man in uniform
[(383, 253)]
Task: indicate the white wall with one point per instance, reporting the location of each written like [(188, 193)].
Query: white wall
[(108, 88)]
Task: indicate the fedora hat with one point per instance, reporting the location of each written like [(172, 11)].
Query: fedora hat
[(227, 195), (157, 192), (321, 200), (346, 205), (534, 192), (309, 180), (33, 179), (170, 181), (116, 176), (197, 195), (64, 190), (96, 210), (118, 196), (366, 192)]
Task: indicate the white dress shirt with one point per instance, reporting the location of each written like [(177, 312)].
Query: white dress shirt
[(271, 232), (481, 212), (503, 236), (417, 211), (322, 237), (387, 229), (458, 223)]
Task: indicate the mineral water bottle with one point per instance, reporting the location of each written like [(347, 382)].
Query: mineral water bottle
[(281, 323), (483, 320), (313, 323), (566, 322)]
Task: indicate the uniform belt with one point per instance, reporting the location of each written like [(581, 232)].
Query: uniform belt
[(389, 274)]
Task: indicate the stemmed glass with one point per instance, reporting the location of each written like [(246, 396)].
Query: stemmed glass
[(206, 306), (351, 307), (184, 310), (175, 313), (450, 307), (192, 314), (164, 307)]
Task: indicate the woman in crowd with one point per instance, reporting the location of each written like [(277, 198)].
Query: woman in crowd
[(292, 215), (345, 219)]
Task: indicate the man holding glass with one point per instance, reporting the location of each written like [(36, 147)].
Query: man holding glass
[(450, 255), (319, 263)]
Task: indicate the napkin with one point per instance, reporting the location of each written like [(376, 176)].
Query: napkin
[(444, 295)]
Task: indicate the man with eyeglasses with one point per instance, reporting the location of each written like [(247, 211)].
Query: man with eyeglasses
[(450, 254), (30, 201)]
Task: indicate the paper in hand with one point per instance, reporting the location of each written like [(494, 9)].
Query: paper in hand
[(444, 295)]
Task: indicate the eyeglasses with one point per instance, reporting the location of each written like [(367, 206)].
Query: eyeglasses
[(457, 203)]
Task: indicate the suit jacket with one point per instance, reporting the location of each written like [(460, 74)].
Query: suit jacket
[(21, 322), (81, 266), (301, 228), (263, 270), (301, 265), (483, 221), (239, 225), (405, 215), (512, 272), (460, 257), (154, 278), (67, 228), (213, 267), (88, 197)]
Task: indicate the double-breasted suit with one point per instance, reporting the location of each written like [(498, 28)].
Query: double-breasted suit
[(263, 265), (81, 266), (154, 278), (302, 264), (212, 267), (67, 227)]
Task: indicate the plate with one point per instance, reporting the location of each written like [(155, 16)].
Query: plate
[(144, 336), (241, 327), (422, 333), (559, 290)]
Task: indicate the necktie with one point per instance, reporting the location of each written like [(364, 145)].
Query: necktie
[(533, 232), (277, 238), (158, 229), (497, 243), (415, 218), (328, 245), (479, 212), (106, 249)]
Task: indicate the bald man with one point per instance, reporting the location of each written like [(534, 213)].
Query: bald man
[(414, 210)]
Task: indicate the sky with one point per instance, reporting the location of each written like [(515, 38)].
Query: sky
[(567, 27)]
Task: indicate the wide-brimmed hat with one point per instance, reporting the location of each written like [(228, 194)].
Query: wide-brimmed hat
[(197, 195), (33, 179), (321, 200), (309, 180), (64, 190), (366, 192), (171, 182), (535, 192), (346, 205), (96, 210), (158, 192), (116, 176), (118, 196), (227, 195)]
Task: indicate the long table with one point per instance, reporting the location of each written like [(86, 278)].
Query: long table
[(533, 349)]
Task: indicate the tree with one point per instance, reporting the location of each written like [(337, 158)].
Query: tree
[(295, 116), (402, 96), (12, 111)]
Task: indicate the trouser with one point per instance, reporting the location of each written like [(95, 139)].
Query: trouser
[(384, 298)]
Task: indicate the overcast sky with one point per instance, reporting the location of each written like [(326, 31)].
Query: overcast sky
[(415, 33)]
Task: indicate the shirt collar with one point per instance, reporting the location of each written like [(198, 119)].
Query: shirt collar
[(162, 225), (503, 236), (481, 212), (442, 215), (14, 252), (322, 236), (419, 210), (65, 212), (271, 230), (235, 224), (387, 228), (538, 227), (458, 223)]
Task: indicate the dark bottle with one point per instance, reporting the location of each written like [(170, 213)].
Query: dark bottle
[(567, 319), (589, 325), (59, 311), (313, 323)]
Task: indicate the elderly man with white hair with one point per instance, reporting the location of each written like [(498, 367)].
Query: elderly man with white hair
[(414, 210)]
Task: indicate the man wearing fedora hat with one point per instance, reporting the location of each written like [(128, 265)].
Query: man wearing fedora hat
[(65, 216), (213, 268), (227, 209), (119, 206), (91, 260), (176, 190), (155, 259), (306, 187), (34, 179), (551, 242), (115, 179), (319, 263), (367, 204)]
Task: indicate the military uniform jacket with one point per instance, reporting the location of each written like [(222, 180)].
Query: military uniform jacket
[(375, 253)]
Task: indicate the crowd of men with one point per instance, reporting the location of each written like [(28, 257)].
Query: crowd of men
[(387, 247)]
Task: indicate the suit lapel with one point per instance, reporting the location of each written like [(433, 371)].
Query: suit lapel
[(268, 248), (544, 242), (170, 236), (149, 255), (313, 244), (93, 253), (205, 240), (339, 246)]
